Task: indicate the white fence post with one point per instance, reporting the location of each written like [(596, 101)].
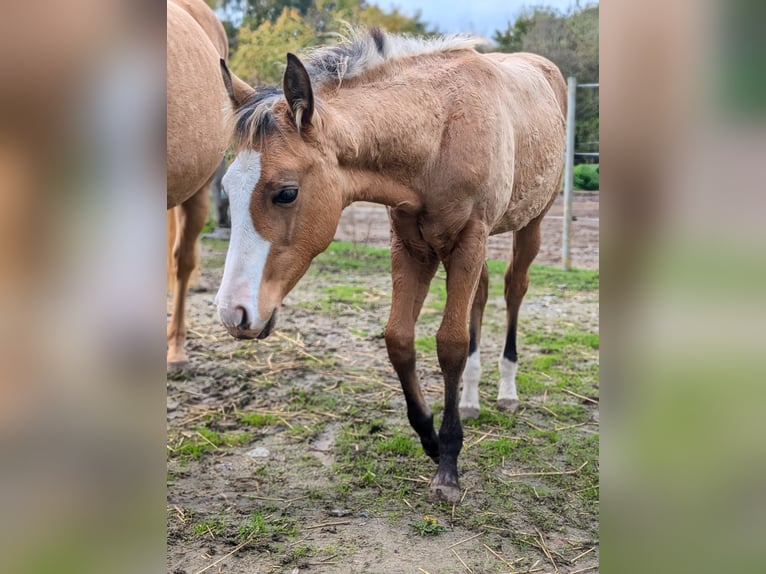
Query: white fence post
[(566, 243)]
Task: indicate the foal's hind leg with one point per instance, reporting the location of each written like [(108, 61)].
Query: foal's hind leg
[(411, 277), (190, 219), (469, 397), (526, 244)]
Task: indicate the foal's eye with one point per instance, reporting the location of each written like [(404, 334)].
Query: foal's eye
[(286, 195)]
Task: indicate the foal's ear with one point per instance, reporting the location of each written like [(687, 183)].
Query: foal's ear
[(297, 87), (237, 90)]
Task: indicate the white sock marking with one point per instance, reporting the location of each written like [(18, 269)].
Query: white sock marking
[(469, 398), (508, 370)]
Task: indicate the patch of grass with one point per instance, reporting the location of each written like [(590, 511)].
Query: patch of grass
[(498, 449), (398, 445), (551, 342), (426, 345), (254, 526), (545, 276), (212, 526), (192, 446), (344, 256), (351, 294), (216, 245), (428, 526), (258, 420)]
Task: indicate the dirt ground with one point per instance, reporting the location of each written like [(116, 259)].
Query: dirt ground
[(367, 223), (294, 454)]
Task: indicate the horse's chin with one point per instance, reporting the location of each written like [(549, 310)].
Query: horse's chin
[(249, 334), (269, 327)]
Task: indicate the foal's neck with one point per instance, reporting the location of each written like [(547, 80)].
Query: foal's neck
[(383, 143)]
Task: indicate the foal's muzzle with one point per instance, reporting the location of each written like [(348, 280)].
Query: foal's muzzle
[(242, 322)]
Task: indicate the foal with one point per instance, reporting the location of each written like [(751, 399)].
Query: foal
[(457, 144)]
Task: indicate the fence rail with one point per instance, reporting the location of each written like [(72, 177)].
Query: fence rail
[(566, 235)]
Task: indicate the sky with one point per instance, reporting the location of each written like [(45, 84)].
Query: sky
[(481, 17)]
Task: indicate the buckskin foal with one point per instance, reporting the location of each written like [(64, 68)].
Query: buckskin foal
[(457, 144)]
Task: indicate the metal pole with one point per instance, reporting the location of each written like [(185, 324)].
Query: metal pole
[(566, 243)]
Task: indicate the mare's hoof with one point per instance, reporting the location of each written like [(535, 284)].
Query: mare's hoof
[(444, 492), (508, 405), (469, 412)]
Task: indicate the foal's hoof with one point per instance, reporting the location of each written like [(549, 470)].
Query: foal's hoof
[(444, 492), (508, 405), (444, 487), (177, 366), (469, 412)]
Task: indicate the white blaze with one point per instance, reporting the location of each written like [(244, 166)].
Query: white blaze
[(246, 257)]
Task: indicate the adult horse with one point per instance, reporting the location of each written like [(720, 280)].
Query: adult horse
[(197, 137), (457, 144)]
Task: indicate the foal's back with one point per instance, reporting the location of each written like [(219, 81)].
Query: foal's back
[(536, 91)]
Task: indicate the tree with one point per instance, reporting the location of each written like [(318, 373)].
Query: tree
[(263, 37), (571, 42), (511, 40), (260, 54)]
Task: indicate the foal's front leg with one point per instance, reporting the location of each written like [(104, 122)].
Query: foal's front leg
[(411, 275), (464, 267)]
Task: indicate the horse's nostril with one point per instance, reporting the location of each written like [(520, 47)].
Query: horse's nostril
[(244, 322)]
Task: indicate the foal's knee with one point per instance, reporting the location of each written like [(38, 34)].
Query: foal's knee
[(400, 346), (452, 349)]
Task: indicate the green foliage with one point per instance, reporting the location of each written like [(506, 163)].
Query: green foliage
[(586, 176), (260, 54), (255, 525), (571, 42), (428, 526), (398, 445), (268, 29), (258, 419)]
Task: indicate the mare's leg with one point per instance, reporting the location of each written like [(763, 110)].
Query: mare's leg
[(464, 269), (190, 219), (526, 244), (469, 397), (171, 243), (411, 275)]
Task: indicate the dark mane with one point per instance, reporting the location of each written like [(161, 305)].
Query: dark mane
[(363, 50)]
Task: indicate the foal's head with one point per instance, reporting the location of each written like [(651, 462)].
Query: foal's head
[(284, 198)]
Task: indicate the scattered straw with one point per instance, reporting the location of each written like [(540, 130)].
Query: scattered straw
[(517, 474), (203, 437), (531, 424), (451, 546), (545, 549), (225, 556), (461, 561), (546, 409), (557, 429), (324, 524), (418, 479), (576, 558), (496, 555), (579, 396), (584, 569)]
